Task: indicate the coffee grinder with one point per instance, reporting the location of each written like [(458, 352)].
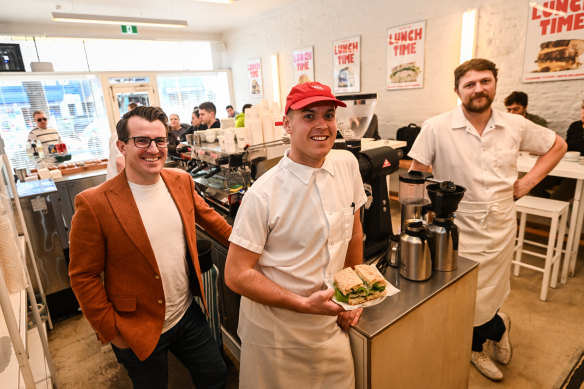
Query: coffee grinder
[(412, 196), (375, 164), (443, 233)]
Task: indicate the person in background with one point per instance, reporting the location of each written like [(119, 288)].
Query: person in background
[(207, 112), (176, 133), (516, 103), (297, 225), (137, 230), (476, 147), (116, 161), (240, 118), (231, 113), (559, 188), (43, 135)]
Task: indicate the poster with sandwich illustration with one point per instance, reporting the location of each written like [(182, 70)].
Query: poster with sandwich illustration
[(347, 65), (254, 72), (554, 47), (303, 65), (405, 56)]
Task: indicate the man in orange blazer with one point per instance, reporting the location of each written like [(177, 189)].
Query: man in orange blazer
[(139, 230)]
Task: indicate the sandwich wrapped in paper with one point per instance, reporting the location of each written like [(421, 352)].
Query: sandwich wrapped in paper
[(360, 285)]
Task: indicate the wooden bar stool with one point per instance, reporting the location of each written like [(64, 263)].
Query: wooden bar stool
[(557, 211)]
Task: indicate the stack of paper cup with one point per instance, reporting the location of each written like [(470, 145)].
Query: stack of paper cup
[(229, 141)]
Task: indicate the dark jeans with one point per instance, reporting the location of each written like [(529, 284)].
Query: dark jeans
[(191, 340), (493, 330)]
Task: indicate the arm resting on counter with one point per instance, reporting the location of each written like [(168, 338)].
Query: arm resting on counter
[(87, 253), (244, 279), (544, 164)]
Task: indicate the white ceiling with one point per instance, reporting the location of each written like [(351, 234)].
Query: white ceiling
[(202, 17)]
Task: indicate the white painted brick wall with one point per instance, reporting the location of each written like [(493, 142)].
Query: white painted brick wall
[(500, 37)]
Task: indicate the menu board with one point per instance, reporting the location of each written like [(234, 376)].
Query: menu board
[(347, 65), (303, 65), (405, 56), (554, 46), (254, 71)]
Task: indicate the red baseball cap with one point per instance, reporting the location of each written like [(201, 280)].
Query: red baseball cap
[(307, 93)]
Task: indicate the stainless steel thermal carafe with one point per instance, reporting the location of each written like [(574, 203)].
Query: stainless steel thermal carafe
[(443, 241), (415, 257)]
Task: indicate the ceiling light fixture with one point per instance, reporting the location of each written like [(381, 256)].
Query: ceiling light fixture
[(117, 20), (219, 1)]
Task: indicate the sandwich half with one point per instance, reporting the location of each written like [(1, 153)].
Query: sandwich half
[(349, 287), (359, 285), (373, 280)]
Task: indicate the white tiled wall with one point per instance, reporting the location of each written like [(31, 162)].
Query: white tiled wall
[(500, 37)]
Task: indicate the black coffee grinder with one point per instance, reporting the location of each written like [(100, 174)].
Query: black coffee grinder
[(443, 233)]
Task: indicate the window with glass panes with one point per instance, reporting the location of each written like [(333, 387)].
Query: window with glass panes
[(74, 106)]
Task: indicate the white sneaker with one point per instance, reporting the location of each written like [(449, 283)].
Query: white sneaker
[(485, 365), (502, 348)]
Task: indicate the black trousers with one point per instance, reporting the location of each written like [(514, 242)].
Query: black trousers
[(493, 330)]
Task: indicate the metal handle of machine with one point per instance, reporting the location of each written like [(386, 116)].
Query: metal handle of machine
[(445, 186), (212, 172), (197, 169)]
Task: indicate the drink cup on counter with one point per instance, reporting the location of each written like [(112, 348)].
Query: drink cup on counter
[(242, 135), (229, 141), (210, 135), (190, 139), (221, 139)]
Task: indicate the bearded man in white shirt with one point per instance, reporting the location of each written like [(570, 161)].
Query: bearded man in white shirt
[(477, 147), (298, 225)]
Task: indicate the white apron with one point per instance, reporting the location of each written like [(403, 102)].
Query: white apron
[(487, 236), (285, 349)]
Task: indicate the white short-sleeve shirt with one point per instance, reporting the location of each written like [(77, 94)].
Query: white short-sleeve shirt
[(297, 218), (485, 165)]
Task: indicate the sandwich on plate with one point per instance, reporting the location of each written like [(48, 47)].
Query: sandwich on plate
[(360, 285)]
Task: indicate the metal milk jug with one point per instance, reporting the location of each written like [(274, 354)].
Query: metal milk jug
[(415, 258)]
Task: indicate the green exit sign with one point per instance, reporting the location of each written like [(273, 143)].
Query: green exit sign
[(129, 30)]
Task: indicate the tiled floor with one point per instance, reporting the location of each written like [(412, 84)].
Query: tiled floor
[(547, 338)]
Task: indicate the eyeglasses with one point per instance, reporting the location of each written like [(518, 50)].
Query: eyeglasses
[(143, 142), (42, 120)]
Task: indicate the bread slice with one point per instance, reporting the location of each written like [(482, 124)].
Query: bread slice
[(347, 281), (357, 300), (370, 275), (377, 295)]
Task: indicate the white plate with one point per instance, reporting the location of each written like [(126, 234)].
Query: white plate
[(391, 290)]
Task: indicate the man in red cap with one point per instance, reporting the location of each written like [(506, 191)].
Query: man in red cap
[(297, 226)]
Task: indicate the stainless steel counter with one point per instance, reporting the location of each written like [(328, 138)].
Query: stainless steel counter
[(412, 294)]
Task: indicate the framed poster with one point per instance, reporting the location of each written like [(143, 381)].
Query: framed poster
[(405, 56), (303, 65), (347, 65), (554, 45), (254, 72)]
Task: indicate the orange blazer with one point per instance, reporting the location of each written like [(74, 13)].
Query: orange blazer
[(107, 235)]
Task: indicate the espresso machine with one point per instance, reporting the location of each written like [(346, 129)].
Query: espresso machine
[(443, 233)]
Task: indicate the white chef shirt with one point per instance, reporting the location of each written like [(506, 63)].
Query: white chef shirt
[(300, 219), (485, 165)]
